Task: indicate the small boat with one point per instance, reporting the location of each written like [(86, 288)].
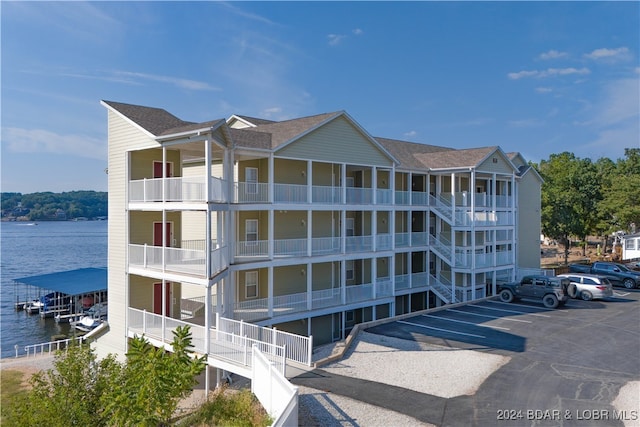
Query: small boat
[(87, 323), (33, 307)]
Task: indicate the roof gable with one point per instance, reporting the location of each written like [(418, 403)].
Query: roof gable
[(338, 138), (155, 121)]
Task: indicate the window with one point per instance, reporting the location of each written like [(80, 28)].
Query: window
[(251, 231), (349, 267), (251, 178), (350, 226), (630, 244), (251, 284)]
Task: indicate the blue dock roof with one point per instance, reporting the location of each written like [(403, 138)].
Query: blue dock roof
[(73, 282)]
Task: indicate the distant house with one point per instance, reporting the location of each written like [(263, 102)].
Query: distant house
[(631, 247), (309, 225)]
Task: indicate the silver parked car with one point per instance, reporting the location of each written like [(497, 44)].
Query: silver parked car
[(588, 286)]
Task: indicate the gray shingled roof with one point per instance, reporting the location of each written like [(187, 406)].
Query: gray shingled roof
[(256, 121), (281, 132), (154, 120), (470, 157), (405, 152), (269, 135)]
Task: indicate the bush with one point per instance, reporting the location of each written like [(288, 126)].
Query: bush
[(229, 408)]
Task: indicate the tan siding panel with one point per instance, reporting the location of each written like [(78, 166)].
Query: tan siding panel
[(500, 166), (529, 222), (337, 141)]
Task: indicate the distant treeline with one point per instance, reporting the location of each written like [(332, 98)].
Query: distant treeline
[(54, 206)]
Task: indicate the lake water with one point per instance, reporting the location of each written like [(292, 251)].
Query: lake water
[(29, 250)]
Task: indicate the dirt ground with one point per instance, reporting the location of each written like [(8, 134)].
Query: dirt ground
[(553, 255)]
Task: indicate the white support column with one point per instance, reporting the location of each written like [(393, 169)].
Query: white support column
[(270, 231), (374, 185), (270, 179), (207, 332), (309, 286), (309, 181), (309, 232), (343, 282), (392, 273), (270, 291), (374, 277), (208, 231)]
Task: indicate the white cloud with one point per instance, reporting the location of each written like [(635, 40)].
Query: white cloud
[(552, 54), (175, 81), (335, 39), (272, 112), (549, 72), (544, 90), (525, 123), (357, 31), (621, 53), (410, 134), (42, 141)]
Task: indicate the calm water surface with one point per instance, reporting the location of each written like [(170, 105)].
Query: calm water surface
[(29, 250)]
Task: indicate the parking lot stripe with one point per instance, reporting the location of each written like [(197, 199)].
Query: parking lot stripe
[(619, 294), (513, 311), (448, 319), (486, 315), (439, 329)]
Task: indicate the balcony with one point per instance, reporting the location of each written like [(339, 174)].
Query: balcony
[(177, 260), (178, 189), (259, 309)]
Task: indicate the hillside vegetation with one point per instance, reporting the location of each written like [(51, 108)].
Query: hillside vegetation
[(47, 206)]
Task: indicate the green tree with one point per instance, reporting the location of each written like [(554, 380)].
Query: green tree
[(621, 202), (153, 382), (563, 204), (68, 395)]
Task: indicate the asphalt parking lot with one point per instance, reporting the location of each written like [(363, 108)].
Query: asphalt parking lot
[(566, 365)]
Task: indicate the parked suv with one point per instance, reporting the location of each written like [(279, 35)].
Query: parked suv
[(588, 286), (551, 290), (618, 274)]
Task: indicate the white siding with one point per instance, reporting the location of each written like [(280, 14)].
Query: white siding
[(122, 137)]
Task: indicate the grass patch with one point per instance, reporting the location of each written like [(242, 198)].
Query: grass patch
[(12, 385)]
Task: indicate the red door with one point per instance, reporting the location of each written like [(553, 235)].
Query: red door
[(157, 233), (157, 169), (157, 298)]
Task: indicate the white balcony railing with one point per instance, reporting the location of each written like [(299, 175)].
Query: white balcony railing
[(177, 189), (325, 245), (359, 243), (177, 260), (250, 192), (290, 193), (359, 196), (326, 194)]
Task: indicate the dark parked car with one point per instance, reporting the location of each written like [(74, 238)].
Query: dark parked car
[(551, 290), (618, 274)]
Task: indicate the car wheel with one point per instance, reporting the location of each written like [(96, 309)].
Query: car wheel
[(573, 290), (586, 296), (629, 284), (506, 295), (550, 301)]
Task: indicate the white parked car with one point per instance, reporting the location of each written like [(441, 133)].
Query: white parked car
[(588, 286)]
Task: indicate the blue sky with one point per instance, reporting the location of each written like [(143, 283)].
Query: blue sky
[(535, 77)]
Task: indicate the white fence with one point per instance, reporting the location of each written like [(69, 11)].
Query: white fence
[(276, 394)]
